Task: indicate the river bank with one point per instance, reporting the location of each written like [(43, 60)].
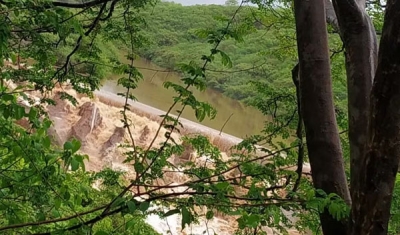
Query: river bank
[(233, 117), (153, 113)]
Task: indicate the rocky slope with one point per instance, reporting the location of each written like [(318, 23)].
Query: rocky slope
[(97, 124)]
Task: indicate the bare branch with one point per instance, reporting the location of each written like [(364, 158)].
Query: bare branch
[(299, 131), (78, 42), (50, 221), (68, 3)]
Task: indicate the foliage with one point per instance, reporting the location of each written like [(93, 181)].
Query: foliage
[(266, 54), (45, 188), (394, 225)]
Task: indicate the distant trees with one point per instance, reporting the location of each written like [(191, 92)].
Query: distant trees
[(231, 2)]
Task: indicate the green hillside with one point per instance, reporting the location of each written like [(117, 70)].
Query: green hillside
[(171, 34), (266, 54)]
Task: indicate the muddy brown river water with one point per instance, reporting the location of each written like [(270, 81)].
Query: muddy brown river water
[(242, 120)]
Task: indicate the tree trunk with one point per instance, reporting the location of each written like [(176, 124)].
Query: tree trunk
[(331, 18), (359, 38), (371, 211), (323, 141)]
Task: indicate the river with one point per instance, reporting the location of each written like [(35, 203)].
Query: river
[(241, 120)]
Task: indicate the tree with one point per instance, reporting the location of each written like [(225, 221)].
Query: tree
[(231, 3), (373, 119), (316, 94)]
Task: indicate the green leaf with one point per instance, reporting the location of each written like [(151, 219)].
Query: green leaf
[(32, 114), (139, 168), (253, 220), (200, 114), (222, 185), (6, 112), (171, 212), (144, 206), (19, 112), (57, 203), (77, 27), (321, 192), (7, 97), (225, 59), (67, 195), (68, 145), (101, 232), (78, 200), (76, 145), (187, 217), (130, 224), (118, 202), (209, 215), (73, 145), (55, 212), (46, 142), (41, 216), (74, 164), (131, 206)]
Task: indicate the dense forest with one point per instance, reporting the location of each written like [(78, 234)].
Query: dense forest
[(313, 68), (174, 34), (266, 54)]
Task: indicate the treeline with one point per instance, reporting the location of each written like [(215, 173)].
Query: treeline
[(173, 32)]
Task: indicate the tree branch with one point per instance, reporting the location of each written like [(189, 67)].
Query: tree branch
[(350, 15), (331, 18), (78, 42), (165, 196), (69, 4), (299, 131), (14, 226)]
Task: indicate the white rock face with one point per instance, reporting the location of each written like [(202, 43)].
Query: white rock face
[(172, 225), (102, 138), (90, 119)]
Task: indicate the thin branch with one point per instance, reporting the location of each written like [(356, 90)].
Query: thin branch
[(165, 196), (299, 131), (227, 120), (78, 42), (14, 226), (129, 78), (68, 4), (111, 11), (82, 4)]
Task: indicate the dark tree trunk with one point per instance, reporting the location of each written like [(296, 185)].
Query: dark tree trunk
[(359, 38), (371, 210), (331, 18), (323, 141)]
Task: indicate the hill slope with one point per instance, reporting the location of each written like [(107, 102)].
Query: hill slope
[(266, 55)]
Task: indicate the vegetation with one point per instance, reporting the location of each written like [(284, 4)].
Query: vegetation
[(247, 53), (266, 54)]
